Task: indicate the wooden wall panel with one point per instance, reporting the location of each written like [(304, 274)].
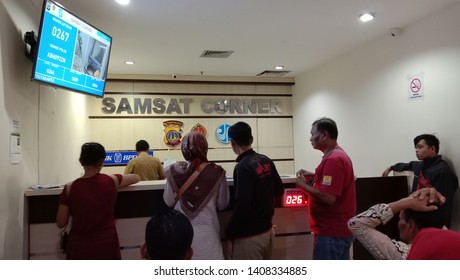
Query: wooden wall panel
[(273, 89), (281, 153), (293, 240), (202, 88), (44, 240), (131, 231), (297, 247), (273, 133), (291, 220), (119, 86), (283, 167)]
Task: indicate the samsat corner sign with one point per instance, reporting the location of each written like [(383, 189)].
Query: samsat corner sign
[(185, 106)]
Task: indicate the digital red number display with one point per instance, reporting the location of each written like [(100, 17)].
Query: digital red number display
[(293, 198)]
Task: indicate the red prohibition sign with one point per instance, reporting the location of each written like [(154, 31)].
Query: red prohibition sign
[(415, 85)]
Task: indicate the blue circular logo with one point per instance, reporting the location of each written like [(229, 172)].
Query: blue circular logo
[(222, 133), (117, 157)]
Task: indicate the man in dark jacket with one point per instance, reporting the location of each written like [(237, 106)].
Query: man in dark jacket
[(256, 180), (430, 171)]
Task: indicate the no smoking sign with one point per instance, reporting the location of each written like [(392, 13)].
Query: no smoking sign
[(416, 90)]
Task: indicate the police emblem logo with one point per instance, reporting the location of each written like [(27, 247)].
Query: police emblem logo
[(327, 180), (173, 132), (199, 128), (222, 133)]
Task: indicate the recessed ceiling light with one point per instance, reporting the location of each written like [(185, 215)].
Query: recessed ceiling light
[(279, 67), (366, 17), (122, 2), (130, 62)]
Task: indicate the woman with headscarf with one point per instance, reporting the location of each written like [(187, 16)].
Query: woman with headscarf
[(200, 200)]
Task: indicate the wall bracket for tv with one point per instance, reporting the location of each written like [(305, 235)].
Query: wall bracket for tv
[(31, 42)]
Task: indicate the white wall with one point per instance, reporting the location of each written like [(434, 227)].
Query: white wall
[(63, 128), (366, 93), (18, 101), (53, 124)]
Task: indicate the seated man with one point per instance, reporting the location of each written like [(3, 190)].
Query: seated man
[(435, 244), (146, 166), (418, 210), (431, 170), (168, 236)]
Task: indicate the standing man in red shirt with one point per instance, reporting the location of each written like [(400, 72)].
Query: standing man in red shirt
[(332, 195)]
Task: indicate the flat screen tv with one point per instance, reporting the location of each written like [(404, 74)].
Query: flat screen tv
[(71, 53)]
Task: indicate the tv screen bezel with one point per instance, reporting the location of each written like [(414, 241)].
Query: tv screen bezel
[(39, 45)]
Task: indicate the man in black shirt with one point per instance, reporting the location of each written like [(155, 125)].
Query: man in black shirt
[(250, 232), (430, 171)]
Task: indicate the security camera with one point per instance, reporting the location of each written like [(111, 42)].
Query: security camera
[(174, 76), (395, 32)]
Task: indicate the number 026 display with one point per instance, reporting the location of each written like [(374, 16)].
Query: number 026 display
[(294, 198)]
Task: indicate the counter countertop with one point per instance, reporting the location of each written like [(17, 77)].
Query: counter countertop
[(141, 186)]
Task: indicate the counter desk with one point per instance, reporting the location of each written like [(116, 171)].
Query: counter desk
[(135, 205)]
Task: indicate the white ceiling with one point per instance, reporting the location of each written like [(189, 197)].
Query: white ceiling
[(168, 36)]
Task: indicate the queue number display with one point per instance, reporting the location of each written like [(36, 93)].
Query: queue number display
[(71, 53), (60, 34), (294, 198)]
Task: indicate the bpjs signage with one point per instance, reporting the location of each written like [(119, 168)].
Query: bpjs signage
[(148, 105), (120, 157)]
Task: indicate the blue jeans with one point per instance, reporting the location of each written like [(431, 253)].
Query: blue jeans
[(331, 248)]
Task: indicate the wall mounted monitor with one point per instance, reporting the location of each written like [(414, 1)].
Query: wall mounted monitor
[(71, 53)]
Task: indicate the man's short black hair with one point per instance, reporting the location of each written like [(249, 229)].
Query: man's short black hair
[(327, 124), (426, 219), (430, 140), (241, 133), (142, 146), (168, 235)]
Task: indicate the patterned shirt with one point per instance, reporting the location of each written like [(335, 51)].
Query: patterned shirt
[(378, 244)]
